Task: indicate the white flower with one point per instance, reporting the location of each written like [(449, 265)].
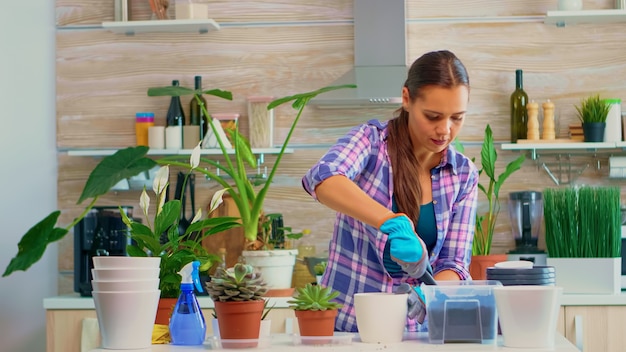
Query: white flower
[(198, 216), (160, 180), (216, 200), (144, 202), (194, 160)]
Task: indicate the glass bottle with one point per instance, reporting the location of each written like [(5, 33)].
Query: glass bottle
[(196, 114), (174, 120), (519, 114), (175, 114)]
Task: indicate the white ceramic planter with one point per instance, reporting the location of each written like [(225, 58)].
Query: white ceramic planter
[(276, 266), (588, 275)]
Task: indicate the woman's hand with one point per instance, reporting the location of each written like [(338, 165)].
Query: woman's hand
[(406, 248)]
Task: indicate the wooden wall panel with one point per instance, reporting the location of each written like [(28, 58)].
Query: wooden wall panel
[(102, 80)]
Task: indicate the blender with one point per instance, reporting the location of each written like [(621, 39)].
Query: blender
[(526, 213)]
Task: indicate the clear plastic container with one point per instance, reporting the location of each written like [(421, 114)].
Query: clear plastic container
[(338, 339), (462, 311)]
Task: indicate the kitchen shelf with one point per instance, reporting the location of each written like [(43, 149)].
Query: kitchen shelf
[(161, 26), (212, 151), (561, 18), (563, 169)]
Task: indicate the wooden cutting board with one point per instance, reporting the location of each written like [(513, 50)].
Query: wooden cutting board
[(232, 240)]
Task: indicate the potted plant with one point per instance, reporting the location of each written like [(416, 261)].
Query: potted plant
[(238, 293), (131, 161), (315, 309), (486, 222), (319, 269), (593, 112), (583, 238), (249, 195)]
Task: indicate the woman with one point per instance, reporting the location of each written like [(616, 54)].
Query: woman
[(382, 177)]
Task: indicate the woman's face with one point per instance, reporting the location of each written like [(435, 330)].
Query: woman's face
[(436, 117)]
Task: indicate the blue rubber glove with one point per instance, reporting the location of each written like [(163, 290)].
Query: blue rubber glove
[(406, 248), (416, 301)]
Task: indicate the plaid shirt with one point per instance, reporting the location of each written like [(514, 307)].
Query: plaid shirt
[(355, 262)]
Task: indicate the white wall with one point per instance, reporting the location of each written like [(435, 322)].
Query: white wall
[(28, 165)]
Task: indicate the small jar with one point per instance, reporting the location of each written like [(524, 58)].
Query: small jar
[(260, 122), (143, 121)]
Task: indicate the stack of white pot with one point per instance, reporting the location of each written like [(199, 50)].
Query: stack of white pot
[(126, 295)]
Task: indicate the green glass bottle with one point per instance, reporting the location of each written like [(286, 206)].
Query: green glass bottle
[(519, 115), (197, 116)]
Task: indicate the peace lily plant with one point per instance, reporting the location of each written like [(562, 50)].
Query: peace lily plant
[(131, 161)]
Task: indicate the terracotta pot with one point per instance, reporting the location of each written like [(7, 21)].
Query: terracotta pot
[(316, 322), (164, 310), (239, 321), (480, 263)]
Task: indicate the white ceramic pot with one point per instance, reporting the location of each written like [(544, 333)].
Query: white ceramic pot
[(380, 316), (570, 5), (528, 315), (276, 266)]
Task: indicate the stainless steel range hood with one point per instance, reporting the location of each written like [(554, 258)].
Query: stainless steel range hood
[(379, 58)]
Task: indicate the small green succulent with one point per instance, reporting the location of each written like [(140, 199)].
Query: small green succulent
[(314, 297), (239, 283), (320, 267)]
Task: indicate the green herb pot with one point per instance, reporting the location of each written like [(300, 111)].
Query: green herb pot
[(594, 131)]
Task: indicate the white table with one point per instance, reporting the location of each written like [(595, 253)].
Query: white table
[(413, 342)]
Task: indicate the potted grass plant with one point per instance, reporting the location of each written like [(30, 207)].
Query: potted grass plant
[(592, 112), (583, 238)]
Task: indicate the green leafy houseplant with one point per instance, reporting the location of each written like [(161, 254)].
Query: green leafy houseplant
[(175, 252), (178, 249), (593, 109), (582, 222), (131, 161), (314, 297), (249, 201), (486, 223)]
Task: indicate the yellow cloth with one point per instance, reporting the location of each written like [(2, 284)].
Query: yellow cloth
[(160, 334)]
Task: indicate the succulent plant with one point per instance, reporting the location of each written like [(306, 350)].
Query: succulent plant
[(314, 297), (239, 283), (320, 267)]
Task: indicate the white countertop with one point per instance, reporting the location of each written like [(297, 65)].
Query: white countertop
[(412, 342), (75, 301)]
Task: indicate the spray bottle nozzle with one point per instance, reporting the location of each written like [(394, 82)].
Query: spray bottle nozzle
[(189, 275)]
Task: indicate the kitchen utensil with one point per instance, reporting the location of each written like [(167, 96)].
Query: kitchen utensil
[(181, 188), (526, 214), (192, 199)]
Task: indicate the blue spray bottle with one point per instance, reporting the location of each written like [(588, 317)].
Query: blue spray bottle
[(187, 325)]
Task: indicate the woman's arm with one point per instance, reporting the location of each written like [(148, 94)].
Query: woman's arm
[(341, 194)]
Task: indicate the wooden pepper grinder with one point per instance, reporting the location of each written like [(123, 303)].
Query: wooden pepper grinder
[(548, 121), (533, 121)]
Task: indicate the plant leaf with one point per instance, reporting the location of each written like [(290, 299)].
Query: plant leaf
[(302, 98), (112, 169), (33, 244), (167, 217), (488, 155)]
